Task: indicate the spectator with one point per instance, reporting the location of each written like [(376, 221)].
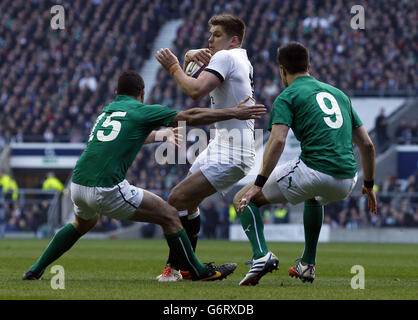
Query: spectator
[(223, 225), (414, 131), (386, 219), (88, 82), (52, 183), (381, 131), (401, 131), (415, 218), (281, 214), (9, 186), (210, 219), (12, 225), (31, 220)]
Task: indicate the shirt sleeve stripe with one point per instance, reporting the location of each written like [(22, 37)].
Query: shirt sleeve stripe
[(216, 73)]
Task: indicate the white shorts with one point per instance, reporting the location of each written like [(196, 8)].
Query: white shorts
[(221, 169), (117, 202), (295, 182)]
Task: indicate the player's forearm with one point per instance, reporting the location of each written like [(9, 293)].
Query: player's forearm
[(272, 153), (187, 84), (367, 155), (203, 116)]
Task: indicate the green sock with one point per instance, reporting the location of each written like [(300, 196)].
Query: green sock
[(312, 222), (62, 241), (253, 225), (179, 244)]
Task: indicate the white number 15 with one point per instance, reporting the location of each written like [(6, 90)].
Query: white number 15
[(115, 124)]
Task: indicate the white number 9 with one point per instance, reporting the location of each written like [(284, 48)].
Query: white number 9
[(334, 110)]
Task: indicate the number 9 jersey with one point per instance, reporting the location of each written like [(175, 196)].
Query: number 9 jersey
[(322, 119), (116, 137)]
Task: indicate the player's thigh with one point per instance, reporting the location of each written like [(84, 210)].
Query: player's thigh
[(153, 209), (120, 201), (191, 191), (332, 189), (273, 190)]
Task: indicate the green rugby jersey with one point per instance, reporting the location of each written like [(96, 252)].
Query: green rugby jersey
[(322, 119), (117, 135)]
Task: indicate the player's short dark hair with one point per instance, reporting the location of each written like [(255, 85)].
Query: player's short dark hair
[(294, 57), (130, 83), (232, 25)]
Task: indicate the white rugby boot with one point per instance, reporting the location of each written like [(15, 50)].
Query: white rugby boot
[(170, 275), (305, 272), (259, 268)]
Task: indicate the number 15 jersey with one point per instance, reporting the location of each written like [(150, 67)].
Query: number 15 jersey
[(322, 119), (117, 135)]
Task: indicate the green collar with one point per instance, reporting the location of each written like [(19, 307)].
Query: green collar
[(121, 97)]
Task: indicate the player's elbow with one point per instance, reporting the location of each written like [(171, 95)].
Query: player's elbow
[(279, 142), (197, 91), (196, 94), (368, 147)]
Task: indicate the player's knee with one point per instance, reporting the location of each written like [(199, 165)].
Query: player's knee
[(84, 226), (177, 200), (171, 217)]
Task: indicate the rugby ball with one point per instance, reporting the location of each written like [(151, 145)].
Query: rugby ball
[(193, 69)]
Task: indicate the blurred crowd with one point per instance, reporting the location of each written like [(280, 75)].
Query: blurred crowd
[(405, 133), (29, 218), (382, 57), (54, 83)]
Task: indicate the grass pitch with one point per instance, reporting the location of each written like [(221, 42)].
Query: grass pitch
[(126, 269)]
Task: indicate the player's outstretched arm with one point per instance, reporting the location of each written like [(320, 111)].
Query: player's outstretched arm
[(194, 88), (203, 116), (273, 151), (367, 154)]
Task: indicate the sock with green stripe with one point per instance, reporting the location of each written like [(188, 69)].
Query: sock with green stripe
[(313, 214), (180, 246), (63, 240), (253, 225)]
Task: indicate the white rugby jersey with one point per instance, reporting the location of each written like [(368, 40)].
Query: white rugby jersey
[(235, 71)]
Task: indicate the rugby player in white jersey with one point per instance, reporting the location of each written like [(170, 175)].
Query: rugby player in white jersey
[(228, 79)]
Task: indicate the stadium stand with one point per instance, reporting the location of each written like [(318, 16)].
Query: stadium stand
[(53, 84)]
